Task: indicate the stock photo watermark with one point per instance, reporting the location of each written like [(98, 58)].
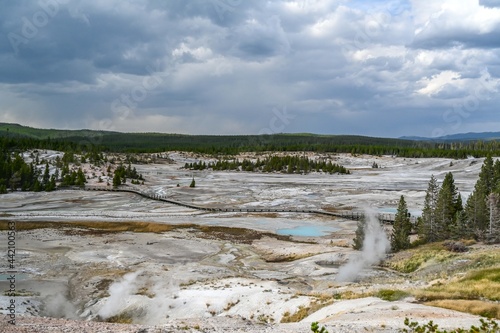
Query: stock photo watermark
[(278, 122), (10, 275), (30, 25), (373, 28), (127, 102), (123, 106), (455, 116)]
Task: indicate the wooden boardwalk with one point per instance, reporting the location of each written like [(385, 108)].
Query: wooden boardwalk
[(350, 215)]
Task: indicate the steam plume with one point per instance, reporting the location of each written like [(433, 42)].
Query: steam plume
[(375, 246), (118, 294)]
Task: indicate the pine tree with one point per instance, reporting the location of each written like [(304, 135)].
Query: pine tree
[(117, 179), (462, 227), (487, 174), (496, 177), (427, 229), (447, 206), (400, 238), (80, 178), (46, 176), (477, 206), (36, 186), (51, 185), (193, 183)]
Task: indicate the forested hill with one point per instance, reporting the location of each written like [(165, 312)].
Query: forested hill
[(22, 137), (460, 137), (16, 130)]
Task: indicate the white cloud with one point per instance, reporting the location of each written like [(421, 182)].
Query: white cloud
[(437, 82), (452, 21), (310, 6)]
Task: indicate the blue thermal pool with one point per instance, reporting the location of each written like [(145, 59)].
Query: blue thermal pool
[(307, 231)]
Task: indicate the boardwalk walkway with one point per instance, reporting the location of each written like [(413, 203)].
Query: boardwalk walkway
[(350, 215)]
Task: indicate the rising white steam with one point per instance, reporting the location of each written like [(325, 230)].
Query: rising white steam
[(119, 292), (58, 306), (375, 247)]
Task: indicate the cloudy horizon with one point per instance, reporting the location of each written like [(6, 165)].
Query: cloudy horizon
[(378, 68)]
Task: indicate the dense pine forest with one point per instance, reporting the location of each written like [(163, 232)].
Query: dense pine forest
[(25, 171), (284, 164), (22, 138)]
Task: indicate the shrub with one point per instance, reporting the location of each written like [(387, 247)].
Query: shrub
[(487, 326), (455, 246), (391, 295), (315, 328)]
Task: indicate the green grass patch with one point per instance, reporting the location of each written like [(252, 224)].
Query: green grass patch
[(414, 259), (486, 326), (391, 295), (483, 284), (492, 274)]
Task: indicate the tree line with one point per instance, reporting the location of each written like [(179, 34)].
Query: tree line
[(234, 144), (121, 174), (284, 164), (444, 216), (17, 174)]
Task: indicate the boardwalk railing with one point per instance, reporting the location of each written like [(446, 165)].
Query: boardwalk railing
[(349, 215)]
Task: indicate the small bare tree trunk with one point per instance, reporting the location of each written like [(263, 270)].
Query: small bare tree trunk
[(492, 205), (494, 216)]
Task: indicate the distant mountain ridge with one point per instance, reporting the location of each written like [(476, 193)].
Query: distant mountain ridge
[(25, 137), (42, 134), (153, 141), (39, 133), (470, 136)]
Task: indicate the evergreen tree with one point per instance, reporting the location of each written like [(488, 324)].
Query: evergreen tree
[(193, 183), (462, 228), (51, 185), (496, 177), (36, 186), (477, 206), (46, 176), (400, 238), (427, 228), (80, 178), (447, 206), (487, 174), (117, 179)]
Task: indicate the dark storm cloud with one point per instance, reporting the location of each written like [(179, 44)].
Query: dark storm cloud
[(490, 3), (385, 68), (258, 40), (76, 48), (457, 38)]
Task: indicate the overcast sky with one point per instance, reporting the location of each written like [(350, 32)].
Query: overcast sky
[(368, 67)]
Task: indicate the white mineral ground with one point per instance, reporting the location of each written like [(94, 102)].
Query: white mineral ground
[(196, 280)]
